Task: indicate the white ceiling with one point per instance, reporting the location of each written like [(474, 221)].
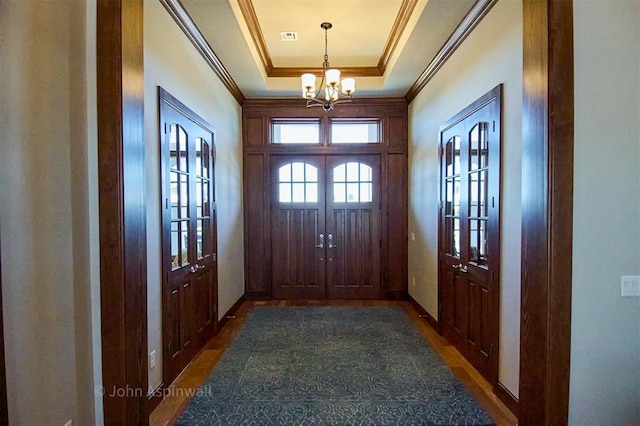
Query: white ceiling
[(362, 31)]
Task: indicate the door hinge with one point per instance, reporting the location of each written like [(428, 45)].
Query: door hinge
[(491, 351), (440, 204), (215, 257), (440, 150), (169, 349), (165, 128), (493, 202), (166, 203), (494, 125)]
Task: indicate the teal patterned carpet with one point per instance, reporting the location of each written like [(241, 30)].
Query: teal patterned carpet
[(331, 366)]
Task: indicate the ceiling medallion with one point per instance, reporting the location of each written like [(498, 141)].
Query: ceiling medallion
[(330, 80)]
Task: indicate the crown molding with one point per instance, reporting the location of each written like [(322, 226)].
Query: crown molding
[(251, 18), (470, 21), (191, 30), (406, 10)]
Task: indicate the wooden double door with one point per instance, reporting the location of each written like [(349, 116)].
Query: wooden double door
[(189, 234), (326, 226), (469, 247)]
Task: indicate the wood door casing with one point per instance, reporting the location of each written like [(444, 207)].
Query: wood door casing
[(353, 252), (189, 237), (469, 245)]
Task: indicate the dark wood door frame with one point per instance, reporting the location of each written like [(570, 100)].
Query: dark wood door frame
[(547, 211), (121, 169)]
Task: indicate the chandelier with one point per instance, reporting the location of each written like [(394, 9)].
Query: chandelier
[(330, 81)]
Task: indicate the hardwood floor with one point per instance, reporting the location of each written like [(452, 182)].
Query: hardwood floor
[(186, 384)]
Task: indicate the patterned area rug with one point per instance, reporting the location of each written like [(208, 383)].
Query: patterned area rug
[(331, 366)]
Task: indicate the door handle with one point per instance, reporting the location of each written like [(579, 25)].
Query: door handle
[(321, 245), (460, 267), (331, 245), (195, 268)]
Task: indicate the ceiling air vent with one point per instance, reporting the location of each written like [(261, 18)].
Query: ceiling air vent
[(289, 36)]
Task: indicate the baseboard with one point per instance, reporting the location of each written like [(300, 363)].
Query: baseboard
[(230, 313), (507, 398), (255, 295), (155, 398), (396, 295), (424, 314)]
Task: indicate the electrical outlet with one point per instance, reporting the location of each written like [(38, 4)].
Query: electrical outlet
[(630, 285), (413, 281), (152, 359)]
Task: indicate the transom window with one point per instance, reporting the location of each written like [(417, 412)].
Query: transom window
[(295, 132), (352, 183), (298, 183), (355, 131)]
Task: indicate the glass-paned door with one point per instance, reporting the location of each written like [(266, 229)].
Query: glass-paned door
[(469, 234), (189, 313), (325, 229)]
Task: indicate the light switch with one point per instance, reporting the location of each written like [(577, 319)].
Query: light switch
[(413, 236), (630, 286)]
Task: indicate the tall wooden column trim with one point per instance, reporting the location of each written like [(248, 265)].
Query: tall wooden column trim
[(547, 211), (121, 168)]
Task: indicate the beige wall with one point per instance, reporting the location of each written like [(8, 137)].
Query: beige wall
[(605, 347), (171, 61), (48, 250), (491, 55)]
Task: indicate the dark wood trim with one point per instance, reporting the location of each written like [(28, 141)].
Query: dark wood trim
[(256, 295), (191, 30), (4, 408), (313, 112), (469, 22), (547, 211), (506, 397), (233, 310), (155, 398), (422, 313), (346, 71), (251, 19), (394, 295), (406, 10), (253, 24), (121, 168)]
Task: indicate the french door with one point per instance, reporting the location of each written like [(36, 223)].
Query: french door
[(469, 245), (325, 229), (189, 235)]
